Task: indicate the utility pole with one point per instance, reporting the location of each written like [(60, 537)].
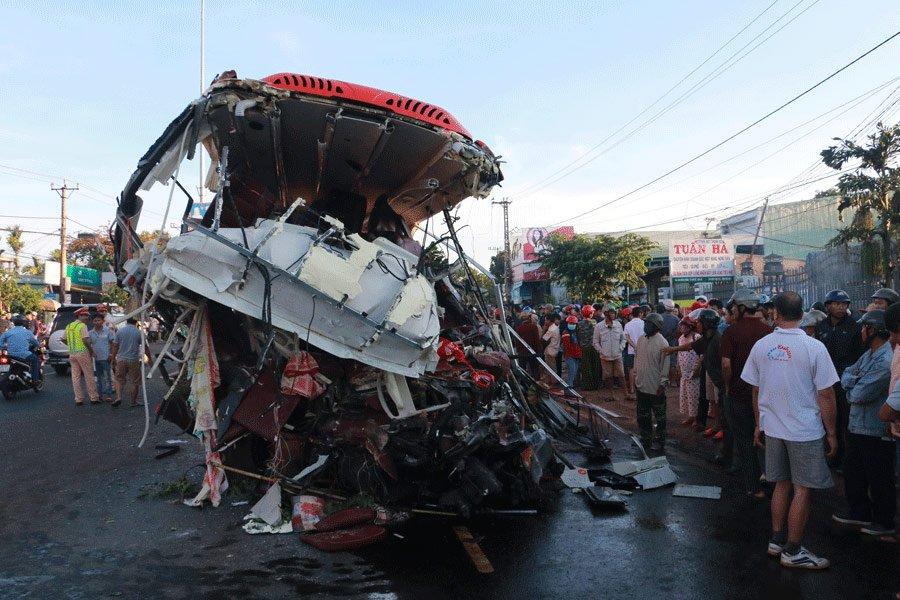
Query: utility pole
[(202, 88), (63, 195), (748, 264), (507, 259)]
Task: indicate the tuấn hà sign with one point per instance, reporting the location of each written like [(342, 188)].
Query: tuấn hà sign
[(701, 260)]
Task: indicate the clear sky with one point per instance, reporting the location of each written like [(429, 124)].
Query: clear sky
[(88, 86)]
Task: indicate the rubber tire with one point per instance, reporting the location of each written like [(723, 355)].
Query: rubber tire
[(38, 387), (61, 370), (7, 394)]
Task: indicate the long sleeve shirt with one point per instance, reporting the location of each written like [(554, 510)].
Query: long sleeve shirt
[(842, 341), (609, 340), (551, 336), (866, 383), (651, 366)]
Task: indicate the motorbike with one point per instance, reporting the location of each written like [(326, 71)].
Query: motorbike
[(16, 376)]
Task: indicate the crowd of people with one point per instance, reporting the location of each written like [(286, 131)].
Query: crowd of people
[(791, 396), (104, 358)]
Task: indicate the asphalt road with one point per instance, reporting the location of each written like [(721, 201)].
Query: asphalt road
[(73, 524)]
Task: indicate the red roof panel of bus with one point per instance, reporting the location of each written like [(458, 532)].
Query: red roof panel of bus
[(400, 105)]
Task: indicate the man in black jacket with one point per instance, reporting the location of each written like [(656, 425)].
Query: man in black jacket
[(841, 335)]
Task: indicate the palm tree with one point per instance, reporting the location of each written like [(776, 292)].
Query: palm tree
[(14, 239)]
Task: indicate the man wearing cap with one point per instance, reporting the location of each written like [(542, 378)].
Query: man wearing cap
[(101, 340), (841, 336), (870, 454), (103, 311), (81, 356), (650, 377), (737, 343)]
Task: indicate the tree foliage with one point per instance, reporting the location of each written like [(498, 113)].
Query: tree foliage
[(498, 265), (36, 267), (595, 267), (869, 189), (94, 252), (16, 297), (15, 242), (116, 295), (160, 237)]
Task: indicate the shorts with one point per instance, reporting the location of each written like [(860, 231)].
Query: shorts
[(802, 463), (628, 360), (612, 368)]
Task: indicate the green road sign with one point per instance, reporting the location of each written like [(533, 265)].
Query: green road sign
[(83, 276)]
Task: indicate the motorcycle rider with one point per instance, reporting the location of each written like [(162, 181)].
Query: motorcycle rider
[(20, 343), (841, 335)]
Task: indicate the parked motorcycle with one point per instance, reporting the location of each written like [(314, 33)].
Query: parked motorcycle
[(15, 376)]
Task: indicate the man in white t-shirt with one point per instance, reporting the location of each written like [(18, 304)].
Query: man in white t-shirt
[(792, 377), (634, 329)]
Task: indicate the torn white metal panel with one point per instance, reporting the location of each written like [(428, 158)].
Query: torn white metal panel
[(336, 275), (169, 161), (359, 328)]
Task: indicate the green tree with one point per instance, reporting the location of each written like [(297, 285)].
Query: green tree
[(152, 236), (116, 295), (498, 265), (36, 267), (14, 239), (870, 190), (91, 251), (15, 297), (594, 267)]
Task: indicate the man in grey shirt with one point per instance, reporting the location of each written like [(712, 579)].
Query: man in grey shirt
[(126, 355), (101, 340)]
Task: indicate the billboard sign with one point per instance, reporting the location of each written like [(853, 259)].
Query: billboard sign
[(534, 239), (701, 260)]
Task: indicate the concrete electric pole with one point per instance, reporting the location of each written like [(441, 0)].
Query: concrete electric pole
[(63, 192), (507, 259), (202, 89)]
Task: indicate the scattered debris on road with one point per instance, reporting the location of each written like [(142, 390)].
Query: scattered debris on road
[(711, 492)]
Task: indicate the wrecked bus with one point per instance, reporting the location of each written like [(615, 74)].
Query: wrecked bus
[(315, 342)]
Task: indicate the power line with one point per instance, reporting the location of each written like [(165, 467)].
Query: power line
[(853, 102), (652, 104), (703, 82), (27, 217), (741, 206), (858, 100), (734, 135)]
